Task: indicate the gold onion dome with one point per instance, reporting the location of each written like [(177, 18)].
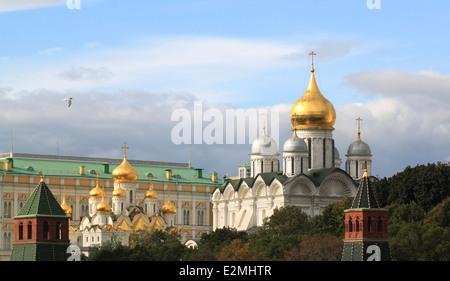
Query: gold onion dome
[(125, 172), (313, 110), (119, 193), (150, 194), (169, 208), (103, 207), (96, 192), (66, 208)]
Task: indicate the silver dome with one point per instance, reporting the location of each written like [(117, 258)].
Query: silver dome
[(264, 146), (295, 144), (359, 148)]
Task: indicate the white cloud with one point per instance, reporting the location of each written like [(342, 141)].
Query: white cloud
[(17, 5), (50, 51), (406, 125)]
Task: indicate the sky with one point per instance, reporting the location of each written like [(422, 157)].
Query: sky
[(129, 65)]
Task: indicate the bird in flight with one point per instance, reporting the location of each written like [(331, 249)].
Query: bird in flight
[(69, 101)]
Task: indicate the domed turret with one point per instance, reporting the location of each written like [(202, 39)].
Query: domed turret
[(295, 144), (103, 207), (313, 110), (66, 208), (359, 157), (169, 208), (119, 193), (125, 172), (96, 192), (150, 194)]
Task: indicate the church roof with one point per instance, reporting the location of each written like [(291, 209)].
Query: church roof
[(41, 203), (365, 197)]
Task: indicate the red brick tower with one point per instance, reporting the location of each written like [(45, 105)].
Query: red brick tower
[(366, 223), (41, 229)]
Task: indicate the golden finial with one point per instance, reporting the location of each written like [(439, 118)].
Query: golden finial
[(264, 123), (366, 175), (125, 147), (359, 128), (96, 182), (312, 54), (42, 178)]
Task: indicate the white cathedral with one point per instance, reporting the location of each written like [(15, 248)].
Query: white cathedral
[(311, 177)]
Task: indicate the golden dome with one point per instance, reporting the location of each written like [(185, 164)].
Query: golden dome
[(125, 172), (96, 192), (119, 193), (103, 207), (169, 208), (313, 110), (150, 194), (66, 208)]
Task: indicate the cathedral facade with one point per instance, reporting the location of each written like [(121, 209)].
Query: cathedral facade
[(310, 178)]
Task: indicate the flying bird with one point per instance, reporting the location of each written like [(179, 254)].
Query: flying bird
[(69, 101)]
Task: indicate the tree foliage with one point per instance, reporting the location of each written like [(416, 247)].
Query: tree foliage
[(427, 185)]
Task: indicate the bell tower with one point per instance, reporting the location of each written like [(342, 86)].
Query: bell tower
[(366, 233)]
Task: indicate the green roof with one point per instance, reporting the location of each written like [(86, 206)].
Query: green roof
[(41, 203), (365, 197), (40, 252), (68, 166)]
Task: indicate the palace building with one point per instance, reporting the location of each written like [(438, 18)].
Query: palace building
[(310, 177), (108, 197)]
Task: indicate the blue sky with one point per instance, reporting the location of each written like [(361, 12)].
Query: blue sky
[(133, 62)]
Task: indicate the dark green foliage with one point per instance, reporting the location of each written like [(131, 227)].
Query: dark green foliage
[(331, 220), (427, 185), (283, 231)]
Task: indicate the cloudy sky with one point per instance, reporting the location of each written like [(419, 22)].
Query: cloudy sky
[(129, 65)]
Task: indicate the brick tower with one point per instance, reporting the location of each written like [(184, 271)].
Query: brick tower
[(41, 229), (366, 233)]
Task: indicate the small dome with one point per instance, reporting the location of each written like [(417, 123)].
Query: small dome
[(119, 193), (96, 192), (336, 154), (169, 208), (125, 172), (264, 145), (359, 148), (103, 207), (295, 144), (66, 208), (150, 194)]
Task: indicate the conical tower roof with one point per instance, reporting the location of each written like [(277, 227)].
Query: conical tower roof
[(41, 203), (365, 197)]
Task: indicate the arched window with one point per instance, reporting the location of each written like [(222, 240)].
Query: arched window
[(350, 225), (369, 224), (186, 217), (29, 230), (131, 196), (357, 224), (58, 231), (21, 231), (46, 234), (200, 217)]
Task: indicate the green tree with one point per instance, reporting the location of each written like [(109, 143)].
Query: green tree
[(216, 240), (156, 246), (240, 251), (331, 220), (317, 247), (280, 232), (427, 185), (440, 214)]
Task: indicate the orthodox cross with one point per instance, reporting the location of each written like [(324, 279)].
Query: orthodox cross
[(312, 54), (359, 128), (125, 147)]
